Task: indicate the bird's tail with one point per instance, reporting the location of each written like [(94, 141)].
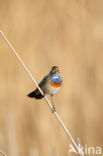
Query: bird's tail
[(35, 94)]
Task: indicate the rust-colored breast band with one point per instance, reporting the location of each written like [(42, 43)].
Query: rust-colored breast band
[(56, 85)]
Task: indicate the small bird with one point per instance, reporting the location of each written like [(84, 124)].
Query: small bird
[(51, 84)]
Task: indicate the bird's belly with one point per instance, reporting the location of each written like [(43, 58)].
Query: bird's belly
[(48, 89)]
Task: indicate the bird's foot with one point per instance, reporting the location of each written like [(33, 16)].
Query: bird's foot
[(53, 109)]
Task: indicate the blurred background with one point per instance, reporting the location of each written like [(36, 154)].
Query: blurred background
[(65, 33)]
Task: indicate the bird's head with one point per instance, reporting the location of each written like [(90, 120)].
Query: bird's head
[(54, 70)]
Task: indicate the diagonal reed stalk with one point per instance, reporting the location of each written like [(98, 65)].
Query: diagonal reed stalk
[(2, 153), (46, 99)]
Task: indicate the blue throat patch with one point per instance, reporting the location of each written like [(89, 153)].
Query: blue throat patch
[(55, 77)]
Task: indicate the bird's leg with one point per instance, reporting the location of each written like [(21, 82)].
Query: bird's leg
[(53, 108)]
